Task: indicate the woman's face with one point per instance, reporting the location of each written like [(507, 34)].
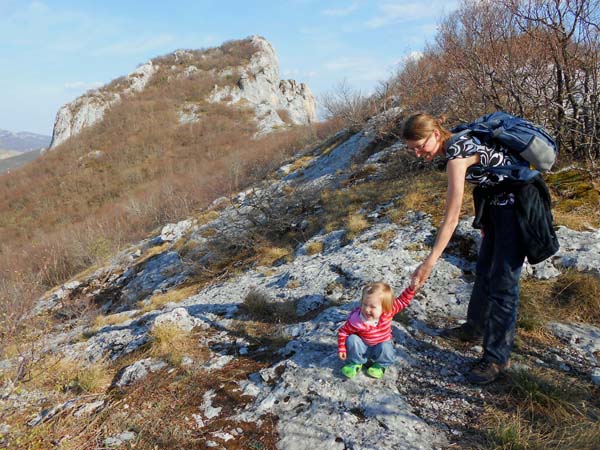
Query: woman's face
[(427, 148)]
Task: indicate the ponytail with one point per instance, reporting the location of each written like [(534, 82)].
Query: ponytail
[(421, 125)]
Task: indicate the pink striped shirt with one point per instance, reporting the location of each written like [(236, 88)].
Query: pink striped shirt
[(373, 334)]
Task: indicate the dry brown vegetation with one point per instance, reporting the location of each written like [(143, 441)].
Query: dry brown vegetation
[(68, 211), (536, 59)]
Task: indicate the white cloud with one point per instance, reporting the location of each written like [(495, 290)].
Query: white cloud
[(413, 56), (359, 70), (338, 12), (298, 74)]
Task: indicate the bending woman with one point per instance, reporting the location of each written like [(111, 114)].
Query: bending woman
[(492, 311)]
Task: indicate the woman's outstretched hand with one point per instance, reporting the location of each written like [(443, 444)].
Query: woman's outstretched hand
[(420, 276)]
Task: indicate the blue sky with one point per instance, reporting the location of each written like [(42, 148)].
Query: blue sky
[(53, 51)]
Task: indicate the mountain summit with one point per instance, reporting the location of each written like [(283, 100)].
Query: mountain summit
[(242, 73)]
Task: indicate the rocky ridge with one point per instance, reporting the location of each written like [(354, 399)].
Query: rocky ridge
[(276, 102), (422, 403)]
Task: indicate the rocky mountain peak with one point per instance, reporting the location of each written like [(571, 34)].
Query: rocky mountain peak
[(276, 102)]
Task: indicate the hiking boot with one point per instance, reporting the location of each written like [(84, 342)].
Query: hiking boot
[(376, 371), (484, 372), (462, 333), (350, 370)]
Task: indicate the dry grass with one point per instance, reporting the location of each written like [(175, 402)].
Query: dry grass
[(158, 301), (268, 255), (207, 216), (314, 247), (576, 198), (383, 240), (60, 374), (355, 224), (160, 411), (170, 343), (542, 410), (301, 163), (573, 297), (102, 321)]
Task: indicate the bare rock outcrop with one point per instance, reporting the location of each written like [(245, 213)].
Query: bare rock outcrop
[(260, 85), (276, 102), (90, 107)]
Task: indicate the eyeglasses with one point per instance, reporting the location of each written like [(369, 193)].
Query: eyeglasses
[(418, 148)]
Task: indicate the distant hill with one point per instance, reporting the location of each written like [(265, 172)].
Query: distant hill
[(20, 159), (22, 141), (8, 153)]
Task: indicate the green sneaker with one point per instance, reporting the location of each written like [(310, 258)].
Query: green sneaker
[(376, 371), (350, 370)]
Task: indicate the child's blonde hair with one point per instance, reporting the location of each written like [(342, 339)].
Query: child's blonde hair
[(384, 292)]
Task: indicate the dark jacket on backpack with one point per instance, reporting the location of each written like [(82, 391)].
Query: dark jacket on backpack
[(532, 204)]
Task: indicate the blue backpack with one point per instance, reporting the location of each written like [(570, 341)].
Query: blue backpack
[(522, 138)]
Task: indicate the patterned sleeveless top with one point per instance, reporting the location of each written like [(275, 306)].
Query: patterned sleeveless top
[(490, 155)]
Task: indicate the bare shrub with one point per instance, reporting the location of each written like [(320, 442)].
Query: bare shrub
[(349, 105), (532, 58)]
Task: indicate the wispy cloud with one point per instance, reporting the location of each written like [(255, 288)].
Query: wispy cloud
[(339, 12), (299, 75), (137, 46), (390, 13), (359, 69)]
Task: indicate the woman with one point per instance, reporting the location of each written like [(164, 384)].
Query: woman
[(492, 311)]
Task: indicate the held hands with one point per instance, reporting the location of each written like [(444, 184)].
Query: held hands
[(420, 276), (342, 355)]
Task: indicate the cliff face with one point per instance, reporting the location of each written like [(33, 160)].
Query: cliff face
[(276, 102), (90, 107), (271, 97)]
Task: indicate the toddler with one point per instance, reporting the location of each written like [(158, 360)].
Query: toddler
[(367, 334)]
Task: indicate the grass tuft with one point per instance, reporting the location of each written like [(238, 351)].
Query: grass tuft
[(314, 247), (269, 255), (355, 223), (572, 296), (171, 343)]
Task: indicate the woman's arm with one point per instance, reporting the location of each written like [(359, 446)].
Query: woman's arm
[(456, 170)]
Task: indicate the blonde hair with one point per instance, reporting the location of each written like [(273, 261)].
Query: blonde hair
[(385, 294), (421, 125)]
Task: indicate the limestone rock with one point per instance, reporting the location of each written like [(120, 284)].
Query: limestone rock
[(120, 439), (260, 86), (173, 231), (161, 272), (178, 317), (138, 370), (89, 108)]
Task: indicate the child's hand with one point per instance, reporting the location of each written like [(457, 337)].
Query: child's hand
[(413, 285), (342, 356)]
